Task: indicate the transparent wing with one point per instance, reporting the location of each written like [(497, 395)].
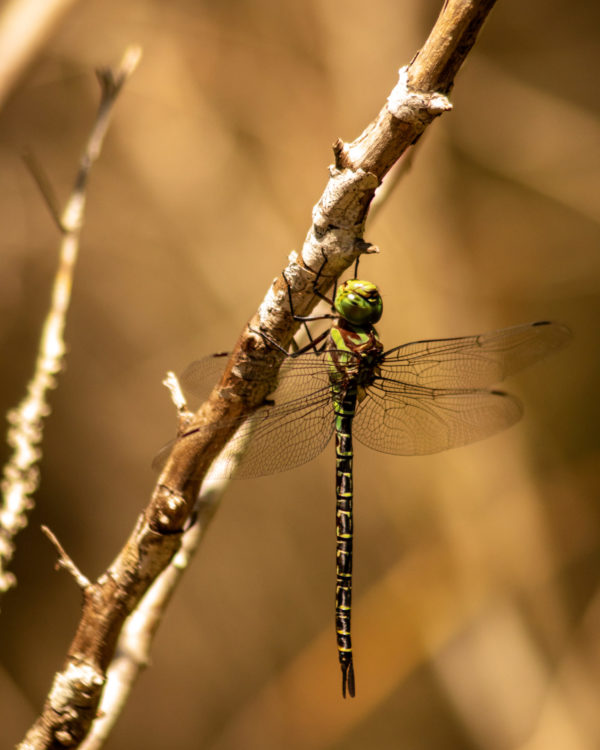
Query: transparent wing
[(473, 361), (428, 395), (419, 421), (199, 377), (291, 430), (283, 436), (197, 380)]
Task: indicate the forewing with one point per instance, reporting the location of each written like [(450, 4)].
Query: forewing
[(420, 421), (282, 437), (473, 361), (296, 427), (199, 377), (290, 430)]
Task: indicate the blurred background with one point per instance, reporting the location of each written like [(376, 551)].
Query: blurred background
[(477, 613)]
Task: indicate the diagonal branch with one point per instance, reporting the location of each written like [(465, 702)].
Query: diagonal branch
[(337, 235)]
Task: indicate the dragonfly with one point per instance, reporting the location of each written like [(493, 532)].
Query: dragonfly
[(415, 399)]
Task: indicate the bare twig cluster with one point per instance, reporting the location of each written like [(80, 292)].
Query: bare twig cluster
[(20, 476)]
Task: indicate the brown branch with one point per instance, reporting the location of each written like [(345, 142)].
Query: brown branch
[(337, 235)]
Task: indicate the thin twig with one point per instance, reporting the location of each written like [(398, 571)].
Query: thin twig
[(64, 561), (20, 476), (172, 383)]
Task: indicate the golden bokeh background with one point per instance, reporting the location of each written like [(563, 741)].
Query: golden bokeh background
[(477, 620)]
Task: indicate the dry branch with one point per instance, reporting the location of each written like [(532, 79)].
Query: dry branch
[(337, 234)]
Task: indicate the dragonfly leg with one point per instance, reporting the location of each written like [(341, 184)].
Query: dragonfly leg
[(316, 290), (318, 275), (312, 345), (366, 248), (269, 340), (308, 318)]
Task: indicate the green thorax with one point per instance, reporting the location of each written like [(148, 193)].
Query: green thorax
[(354, 348)]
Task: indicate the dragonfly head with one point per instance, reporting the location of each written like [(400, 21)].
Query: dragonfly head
[(359, 302)]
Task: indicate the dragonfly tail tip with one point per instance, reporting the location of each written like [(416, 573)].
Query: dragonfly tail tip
[(348, 685)]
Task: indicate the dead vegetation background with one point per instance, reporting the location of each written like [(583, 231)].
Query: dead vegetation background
[(477, 612)]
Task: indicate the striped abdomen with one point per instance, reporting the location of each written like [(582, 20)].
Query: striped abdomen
[(344, 408)]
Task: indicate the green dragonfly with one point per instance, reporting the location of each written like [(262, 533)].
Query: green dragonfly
[(415, 399)]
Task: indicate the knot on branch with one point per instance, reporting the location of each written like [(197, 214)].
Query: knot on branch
[(415, 107), (169, 513), (342, 204), (73, 699)]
